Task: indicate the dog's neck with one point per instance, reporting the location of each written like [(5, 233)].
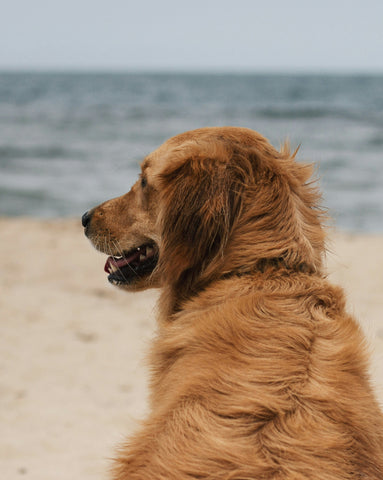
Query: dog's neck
[(174, 298)]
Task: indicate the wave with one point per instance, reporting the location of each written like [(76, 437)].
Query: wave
[(11, 152), (376, 141), (303, 113)]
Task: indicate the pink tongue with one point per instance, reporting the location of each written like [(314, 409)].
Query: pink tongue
[(120, 262)]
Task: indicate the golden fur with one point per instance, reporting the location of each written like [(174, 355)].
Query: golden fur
[(257, 372)]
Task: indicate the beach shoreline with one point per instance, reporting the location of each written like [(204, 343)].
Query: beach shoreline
[(73, 376)]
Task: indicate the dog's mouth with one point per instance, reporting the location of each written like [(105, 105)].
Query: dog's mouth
[(132, 266)]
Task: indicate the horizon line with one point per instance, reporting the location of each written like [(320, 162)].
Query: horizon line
[(191, 71)]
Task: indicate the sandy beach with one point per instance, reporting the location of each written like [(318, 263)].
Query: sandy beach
[(72, 370)]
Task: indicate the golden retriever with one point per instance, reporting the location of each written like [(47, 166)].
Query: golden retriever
[(258, 372)]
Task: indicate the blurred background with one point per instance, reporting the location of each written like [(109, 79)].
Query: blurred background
[(88, 88)]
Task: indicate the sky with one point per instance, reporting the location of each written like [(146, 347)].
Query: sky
[(197, 35)]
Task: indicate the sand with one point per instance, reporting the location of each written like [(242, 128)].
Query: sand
[(72, 371)]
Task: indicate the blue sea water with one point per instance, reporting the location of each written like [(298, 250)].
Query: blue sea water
[(69, 141)]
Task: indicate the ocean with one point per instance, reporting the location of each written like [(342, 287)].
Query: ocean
[(69, 141)]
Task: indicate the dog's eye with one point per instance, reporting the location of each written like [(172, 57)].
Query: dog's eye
[(144, 182)]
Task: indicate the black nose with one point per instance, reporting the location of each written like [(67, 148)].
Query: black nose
[(86, 218)]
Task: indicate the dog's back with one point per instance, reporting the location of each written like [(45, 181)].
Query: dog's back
[(266, 377)]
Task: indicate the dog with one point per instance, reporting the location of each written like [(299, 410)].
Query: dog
[(258, 371)]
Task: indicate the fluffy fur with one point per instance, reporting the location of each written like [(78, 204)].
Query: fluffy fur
[(257, 371)]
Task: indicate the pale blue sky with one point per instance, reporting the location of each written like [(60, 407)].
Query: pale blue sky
[(267, 35)]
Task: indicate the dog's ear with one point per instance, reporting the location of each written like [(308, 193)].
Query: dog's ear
[(199, 202)]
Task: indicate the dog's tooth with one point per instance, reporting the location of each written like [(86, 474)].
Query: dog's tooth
[(142, 258), (149, 251)]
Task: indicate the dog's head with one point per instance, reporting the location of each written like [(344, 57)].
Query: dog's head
[(210, 203)]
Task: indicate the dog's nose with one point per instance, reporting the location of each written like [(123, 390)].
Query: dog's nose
[(85, 219)]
